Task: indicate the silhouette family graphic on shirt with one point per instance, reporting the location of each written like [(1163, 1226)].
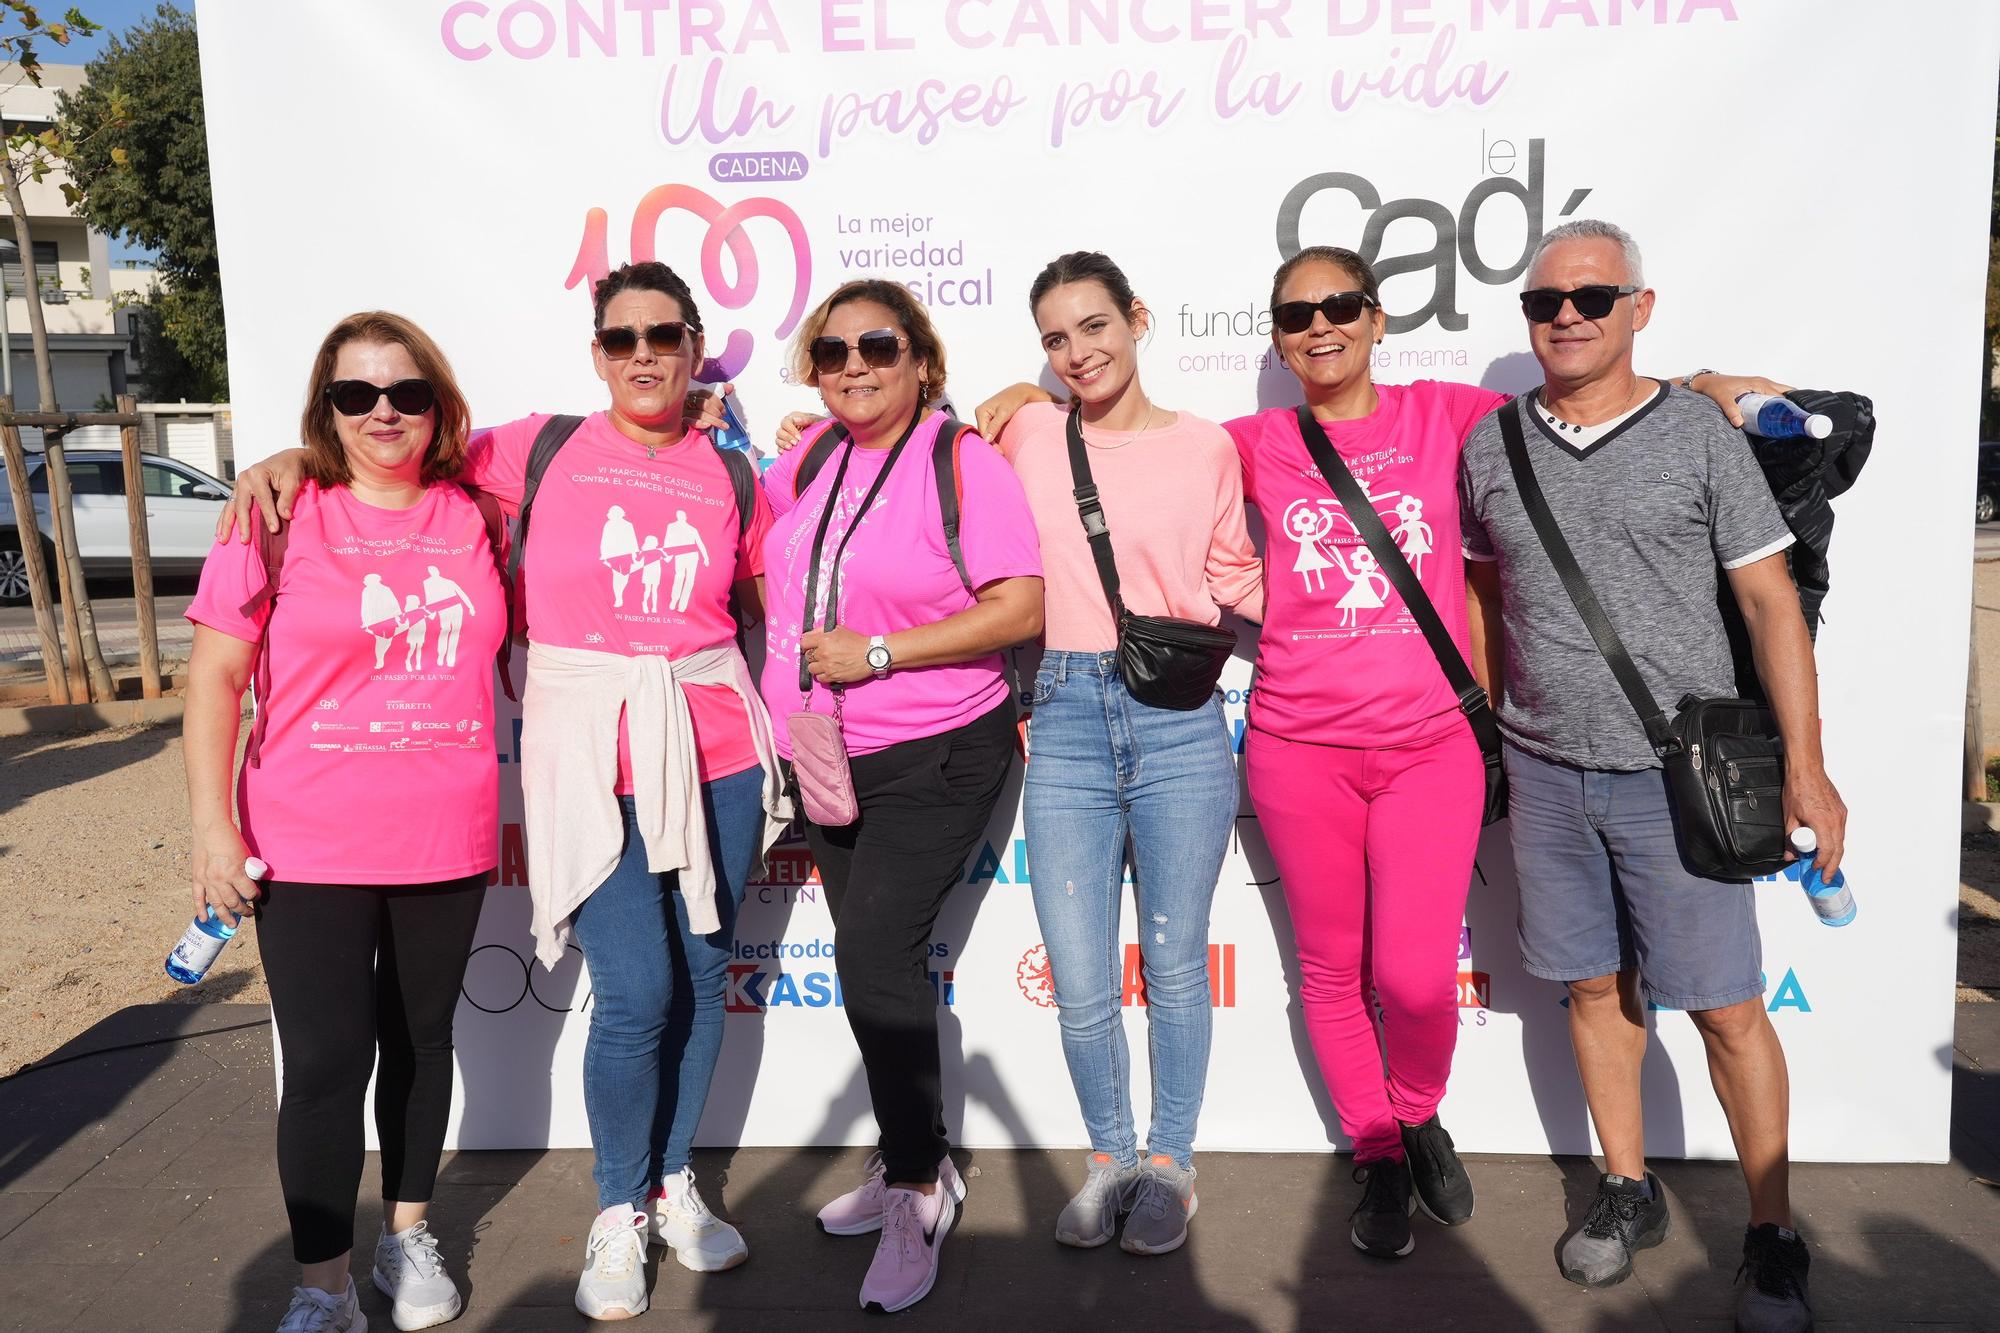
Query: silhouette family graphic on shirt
[(621, 551), (384, 615), (1309, 521)]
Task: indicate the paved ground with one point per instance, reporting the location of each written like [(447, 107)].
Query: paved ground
[(117, 625), (138, 1191)]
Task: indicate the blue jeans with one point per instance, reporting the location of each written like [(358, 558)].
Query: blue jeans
[(656, 997), (1105, 770)]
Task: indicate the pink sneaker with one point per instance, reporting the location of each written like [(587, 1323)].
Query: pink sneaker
[(859, 1211), (906, 1258)]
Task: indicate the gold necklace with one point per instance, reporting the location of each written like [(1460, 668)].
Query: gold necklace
[(1150, 411)]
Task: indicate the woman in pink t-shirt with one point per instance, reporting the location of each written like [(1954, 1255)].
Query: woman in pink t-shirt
[(1364, 773), (369, 791), (1108, 770), (879, 619), (649, 780)]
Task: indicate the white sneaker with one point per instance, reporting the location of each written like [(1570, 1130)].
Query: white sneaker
[(614, 1284), (316, 1311), (699, 1239), (409, 1271)]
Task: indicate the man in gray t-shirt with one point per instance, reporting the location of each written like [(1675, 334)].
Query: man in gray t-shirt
[(1654, 492)]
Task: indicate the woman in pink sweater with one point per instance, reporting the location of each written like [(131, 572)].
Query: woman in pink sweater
[(1108, 771)]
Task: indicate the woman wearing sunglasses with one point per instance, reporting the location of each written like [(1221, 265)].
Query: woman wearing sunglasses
[(1366, 779), (378, 840), (876, 623), (649, 780)]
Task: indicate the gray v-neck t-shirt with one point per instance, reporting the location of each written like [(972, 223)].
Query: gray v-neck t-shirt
[(1650, 507)]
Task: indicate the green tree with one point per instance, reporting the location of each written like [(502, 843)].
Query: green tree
[(140, 163)]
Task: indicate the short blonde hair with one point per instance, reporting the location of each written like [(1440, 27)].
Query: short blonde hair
[(925, 345), (444, 457)]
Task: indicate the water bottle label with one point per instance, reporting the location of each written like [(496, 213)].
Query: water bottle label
[(197, 950), (1836, 905)]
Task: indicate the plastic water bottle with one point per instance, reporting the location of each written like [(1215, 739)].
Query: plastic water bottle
[(201, 943), (1831, 899), (733, 435), (1779, 418)]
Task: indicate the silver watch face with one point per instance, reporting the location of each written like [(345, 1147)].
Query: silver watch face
[(878, 657)]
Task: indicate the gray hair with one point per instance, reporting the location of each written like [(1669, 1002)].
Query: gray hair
[(1592, 229)]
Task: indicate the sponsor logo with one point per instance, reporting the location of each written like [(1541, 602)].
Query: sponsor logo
[(725, 233), (319, 725), (593, 637), (406, 706), (1454, 233), (1789, 993), (1464, 943), (325, 745), (385, 727), (467, 724), (753, 988), (364, 747), (1475, 990), (430, 726), (757, 166), (327, 704), (1036, 978), (789, 877)]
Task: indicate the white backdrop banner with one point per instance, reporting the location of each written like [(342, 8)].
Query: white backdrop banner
[(1809, 182)]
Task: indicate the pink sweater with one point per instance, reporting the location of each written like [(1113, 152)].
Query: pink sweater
[(1173, 498)]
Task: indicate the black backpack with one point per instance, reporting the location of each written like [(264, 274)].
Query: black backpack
[(944, 471)]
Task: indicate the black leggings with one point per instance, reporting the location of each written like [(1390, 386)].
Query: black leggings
[(353, 969), (924, 804)]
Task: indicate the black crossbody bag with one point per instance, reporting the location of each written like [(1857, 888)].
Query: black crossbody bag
[(1389, 558), (1165, 662), (1724, 759)]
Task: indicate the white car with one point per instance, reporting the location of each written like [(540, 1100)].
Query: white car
[(182, 504)]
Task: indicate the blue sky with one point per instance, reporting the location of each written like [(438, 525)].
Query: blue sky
[(115, 16)]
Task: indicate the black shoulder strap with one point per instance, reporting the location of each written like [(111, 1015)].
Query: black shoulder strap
[(742, 480), (1091, 510), (1389, 558), (554, 434), (496, 538), (1658, 733), (817, 453), (950, 490)]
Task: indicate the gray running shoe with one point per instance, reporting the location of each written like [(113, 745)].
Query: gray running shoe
[(409, 1271), (1775, 1263), (1622, 1222), (1162, 1203), (1091, 1218)]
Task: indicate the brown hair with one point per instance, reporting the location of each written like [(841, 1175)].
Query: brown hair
[(444, 457), (925, 345)]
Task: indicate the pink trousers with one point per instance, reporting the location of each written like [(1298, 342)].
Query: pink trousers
[(1376, 850)]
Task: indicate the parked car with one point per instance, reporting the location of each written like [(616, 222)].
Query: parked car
[(1986, 501), (182, 504)]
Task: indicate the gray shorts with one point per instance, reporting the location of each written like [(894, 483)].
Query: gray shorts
[(1603, 889)]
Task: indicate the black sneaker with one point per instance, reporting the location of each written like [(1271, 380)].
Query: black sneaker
[(1443, 1189), (1622, 1222), (1382, 1222), (1773, 1274)]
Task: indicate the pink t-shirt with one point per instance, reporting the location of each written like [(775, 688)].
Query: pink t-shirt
[(897, 573), (377, 764), (629, 554), (1173, 499), (1341, 661)]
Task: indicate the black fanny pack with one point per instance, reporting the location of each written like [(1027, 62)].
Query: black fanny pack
[(1164, 661), (1724, 759)]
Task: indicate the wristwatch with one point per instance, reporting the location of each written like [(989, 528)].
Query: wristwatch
[(1687, 380), (878, 655)]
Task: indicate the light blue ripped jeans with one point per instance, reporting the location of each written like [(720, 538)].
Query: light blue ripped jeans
[(1105, 772)]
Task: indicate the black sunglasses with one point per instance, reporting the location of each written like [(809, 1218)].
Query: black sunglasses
[(1542, 304), (620, 342), (357, 398), (1340, 308), (879, 348)]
